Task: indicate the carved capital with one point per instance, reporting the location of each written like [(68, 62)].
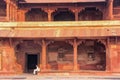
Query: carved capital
[(76, 10), (74, 42), (49, 11)]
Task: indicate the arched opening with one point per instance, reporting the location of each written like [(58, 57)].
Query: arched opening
[(90, 13), (92, 56), (60, 56), (36, 14), (28, 55), (63, 15), (2, 8)]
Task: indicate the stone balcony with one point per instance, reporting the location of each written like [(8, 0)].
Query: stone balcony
[(60, 29)]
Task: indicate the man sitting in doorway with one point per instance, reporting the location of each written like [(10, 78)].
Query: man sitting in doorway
[(36, 70)]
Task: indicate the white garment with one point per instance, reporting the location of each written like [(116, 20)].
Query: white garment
[(36, 70)]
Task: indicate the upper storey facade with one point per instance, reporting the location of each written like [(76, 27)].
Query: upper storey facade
[(62, 10)]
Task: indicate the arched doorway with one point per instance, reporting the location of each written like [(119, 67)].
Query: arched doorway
[(60, 56), (63, 15), (28, 55), (36, 14), (92, 55), (2, 8), (90, 13)]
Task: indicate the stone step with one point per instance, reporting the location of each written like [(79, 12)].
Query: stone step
[(12, 78), (36, 77)]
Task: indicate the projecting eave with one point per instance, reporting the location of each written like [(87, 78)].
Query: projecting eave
[(60, 1)]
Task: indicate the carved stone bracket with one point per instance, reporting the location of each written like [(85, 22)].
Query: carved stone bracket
[(49, 10), (25, 10), (103, 41), (42, 42), (38, 42), (71, 42), (76, 10), (49, 42), (100, 8), (15, 43)]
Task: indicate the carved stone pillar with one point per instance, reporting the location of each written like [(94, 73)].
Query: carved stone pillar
[(76, 12), (75, 46), (13, 13), (44, 60), (16, 13), (49, 12), (8, 11), (22, 14), (110, 9)]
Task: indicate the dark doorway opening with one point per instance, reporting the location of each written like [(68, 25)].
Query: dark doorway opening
[(32, 61)]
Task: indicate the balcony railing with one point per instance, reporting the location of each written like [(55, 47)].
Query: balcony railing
[(60, 24), (60, 29)]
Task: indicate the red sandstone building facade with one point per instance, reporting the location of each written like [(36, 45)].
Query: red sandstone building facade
[(60, 36)]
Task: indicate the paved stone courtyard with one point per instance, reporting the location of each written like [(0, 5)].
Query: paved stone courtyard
[(35, 77)]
